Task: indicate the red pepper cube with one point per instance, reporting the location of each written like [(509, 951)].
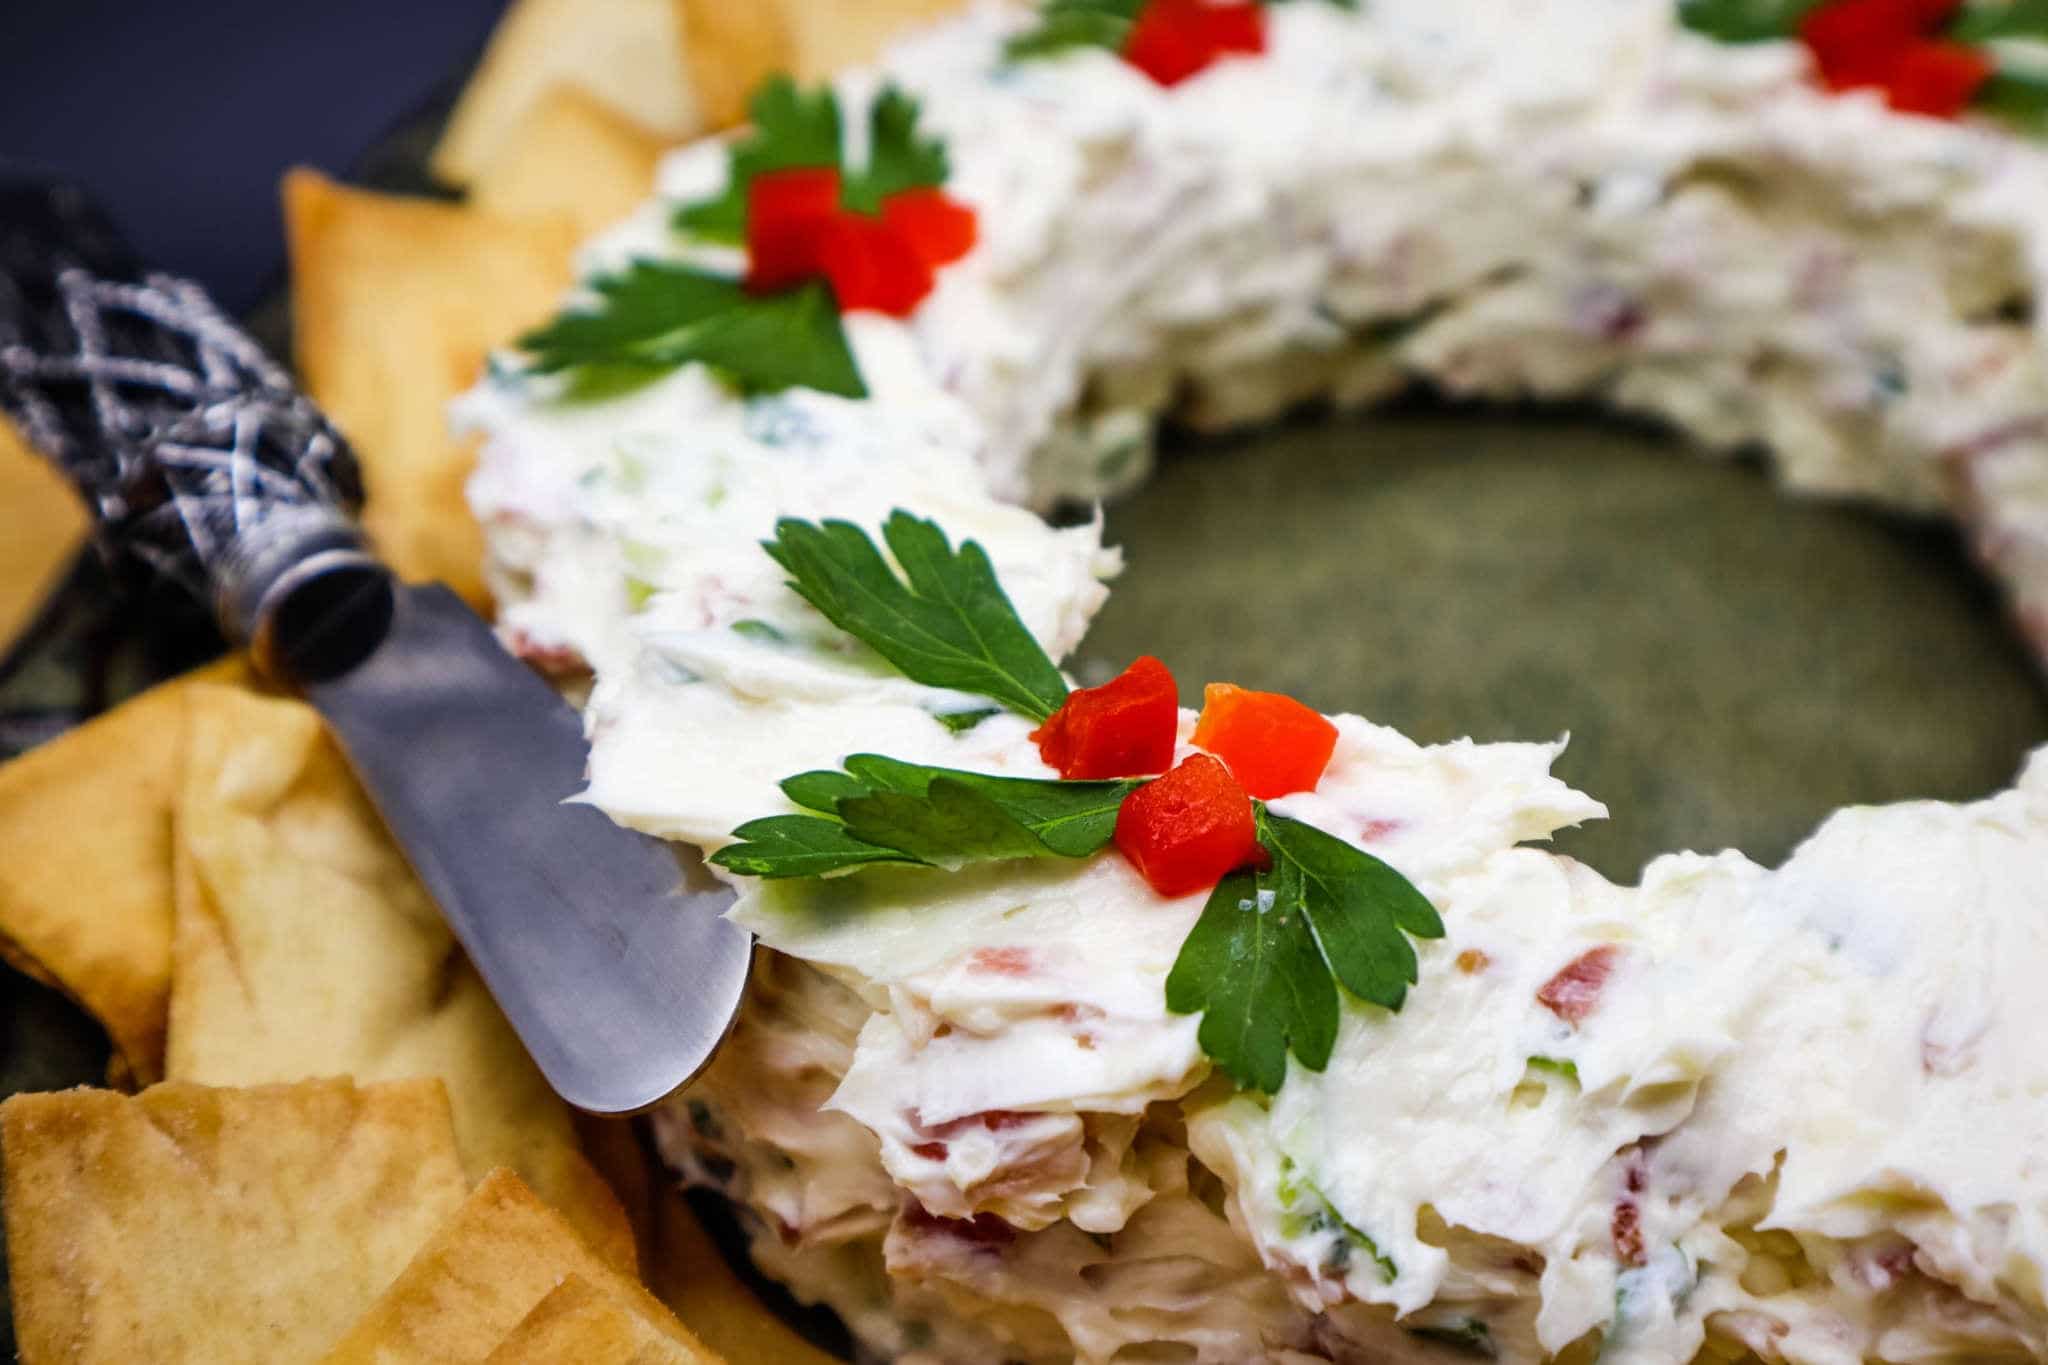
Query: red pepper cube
[(938, 227), (1124, 728), (1273, 744), (788, 215), (871, 266), (1938, 79), (1184, 831), (1174, 39)]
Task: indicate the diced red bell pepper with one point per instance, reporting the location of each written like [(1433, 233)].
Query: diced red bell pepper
[(1174, 39), (1185, 830), (870, 265), (1938, 79), (1124, 728), (788, 215), (938, 227), (1272, 743)]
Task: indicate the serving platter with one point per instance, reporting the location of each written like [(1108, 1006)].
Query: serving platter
[(1732, 663)]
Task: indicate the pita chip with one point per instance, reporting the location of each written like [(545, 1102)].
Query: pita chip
[(85, 864), (731, 48), (42, 524), (625, 53), (396, 303), (571, 156), (305, 946), (481, 1275), (579, 1321), (220, 1227)]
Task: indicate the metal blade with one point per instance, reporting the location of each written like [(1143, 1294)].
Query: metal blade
[(620, 979)]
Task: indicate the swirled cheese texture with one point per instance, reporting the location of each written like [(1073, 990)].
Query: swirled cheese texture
[(1796, 1114)]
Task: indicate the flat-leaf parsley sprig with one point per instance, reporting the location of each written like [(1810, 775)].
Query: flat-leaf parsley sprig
[(1302, 920), (821, 240)]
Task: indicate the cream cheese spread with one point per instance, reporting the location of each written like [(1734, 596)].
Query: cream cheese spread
[(1797, 1113)]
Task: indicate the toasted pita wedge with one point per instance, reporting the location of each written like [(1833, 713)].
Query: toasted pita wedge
[(85, 865), (692, 1277), (570, 156), (305, 946), (483, 1272), (579, 1321), (626, 53), (731, 47), (395, 304), (216, 1226), (42, 524)]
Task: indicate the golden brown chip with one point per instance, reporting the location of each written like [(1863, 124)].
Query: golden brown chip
[(305, 946), (483, 1272), (731, 48), (42, 523), (571, 155), (580, 1322), (85, 865), (216, 1226), (692, 1277), (395, 304), (626, 53)]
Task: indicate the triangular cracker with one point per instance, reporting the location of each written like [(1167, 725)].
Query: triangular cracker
[(580, 1322), (482, 1273), (216, 1226), (306, 947)]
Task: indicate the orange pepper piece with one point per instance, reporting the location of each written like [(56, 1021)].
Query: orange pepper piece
[(1124, 728), (1185, 830), (1272, 743)]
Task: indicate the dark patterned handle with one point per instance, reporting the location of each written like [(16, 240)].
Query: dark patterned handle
[(200, 459)]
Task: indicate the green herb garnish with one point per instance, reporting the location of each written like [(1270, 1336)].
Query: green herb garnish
[(945, 623), (795, 128), (884, 810), (655, 316), (1744, 21), (1263, 963)]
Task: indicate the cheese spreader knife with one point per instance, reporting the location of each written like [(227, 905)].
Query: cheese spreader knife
[(204, 465)]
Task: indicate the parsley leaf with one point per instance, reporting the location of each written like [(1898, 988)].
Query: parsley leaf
[(1065, 24), (1744, 21), (793, 128), (945, 623), (1986, 21), (897, 158), (655, 316), (799, 846), (885, 810), (790, 129), (1263, 962)]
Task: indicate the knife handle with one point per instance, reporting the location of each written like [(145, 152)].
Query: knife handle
[(199, 458)]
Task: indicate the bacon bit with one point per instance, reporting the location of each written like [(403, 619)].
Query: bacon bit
[(994, 1120), (931, 1151), (982, 1230), (1376, 830), (1573, 993), (1007, 961), (553, 660), (1472, 961), (1628, 1233)]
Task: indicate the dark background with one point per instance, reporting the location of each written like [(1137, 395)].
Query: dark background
[(181, 114)]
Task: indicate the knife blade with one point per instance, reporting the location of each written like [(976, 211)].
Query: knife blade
[(607, 949)]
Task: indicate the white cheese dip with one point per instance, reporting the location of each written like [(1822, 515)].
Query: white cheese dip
[(1799, 1113)]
